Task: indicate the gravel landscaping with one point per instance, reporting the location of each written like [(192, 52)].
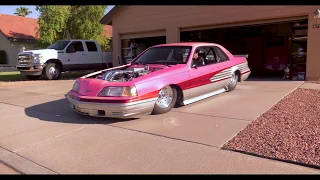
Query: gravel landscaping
[(289, 131)]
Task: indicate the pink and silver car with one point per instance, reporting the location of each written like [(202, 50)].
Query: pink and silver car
[(158, 79)]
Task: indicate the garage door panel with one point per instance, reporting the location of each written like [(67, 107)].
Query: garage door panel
[(269, 21), (143, 34)]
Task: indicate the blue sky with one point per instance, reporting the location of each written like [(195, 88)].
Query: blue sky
[(35, 14)]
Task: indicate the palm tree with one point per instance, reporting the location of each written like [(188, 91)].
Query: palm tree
[(22, 11)]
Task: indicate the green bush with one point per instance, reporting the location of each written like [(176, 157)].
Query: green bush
[(3, 57)]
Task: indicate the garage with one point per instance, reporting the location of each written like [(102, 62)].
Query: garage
[(274, 37), (134, 44), (271, 47)]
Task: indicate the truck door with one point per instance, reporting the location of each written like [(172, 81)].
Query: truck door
[(75, 56), (94, 56)]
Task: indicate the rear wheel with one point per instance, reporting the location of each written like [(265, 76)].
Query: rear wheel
[(53, 71), (33, 77), (233, 82), (167, 98)]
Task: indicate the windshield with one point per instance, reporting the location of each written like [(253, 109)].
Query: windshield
[(59, 45), (165, 55)]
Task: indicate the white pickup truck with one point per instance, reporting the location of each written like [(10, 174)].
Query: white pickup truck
[(62, 56)]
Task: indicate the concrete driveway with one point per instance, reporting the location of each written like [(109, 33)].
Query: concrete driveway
[(39, 133)]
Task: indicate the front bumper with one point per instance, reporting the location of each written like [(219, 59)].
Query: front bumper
[(34, 69), (112, 110)]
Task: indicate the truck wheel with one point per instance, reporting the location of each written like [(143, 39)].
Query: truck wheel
[(33, 77), (167, 98), (233, 82), (53, 71)]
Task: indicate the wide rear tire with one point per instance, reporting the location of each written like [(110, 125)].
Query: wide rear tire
[(233, 82), (167, 98)]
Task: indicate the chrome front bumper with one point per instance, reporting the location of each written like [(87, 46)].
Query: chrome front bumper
[(32, 69), (113, 110)]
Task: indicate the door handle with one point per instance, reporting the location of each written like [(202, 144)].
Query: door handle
[(82, 54)]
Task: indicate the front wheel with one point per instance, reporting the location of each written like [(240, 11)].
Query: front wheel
[(167, 98), (53, 71), (233, 82)]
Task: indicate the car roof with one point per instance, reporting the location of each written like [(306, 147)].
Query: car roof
[(188, 44)]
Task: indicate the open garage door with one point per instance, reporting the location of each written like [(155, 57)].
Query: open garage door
[(272, 45), (135, 43)]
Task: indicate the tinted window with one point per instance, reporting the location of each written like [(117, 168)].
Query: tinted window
[(221, 56), (91, 46), (59, 45), (77, 46)]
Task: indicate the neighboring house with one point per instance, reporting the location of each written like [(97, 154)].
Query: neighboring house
[(18, 33)]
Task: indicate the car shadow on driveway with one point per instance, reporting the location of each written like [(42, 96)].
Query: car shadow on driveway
[(60, 111)]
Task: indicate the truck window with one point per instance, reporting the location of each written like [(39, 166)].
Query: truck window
[(91, 46), (59, 45), (77, 45)]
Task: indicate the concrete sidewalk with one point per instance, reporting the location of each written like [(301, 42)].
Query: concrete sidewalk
[(310, 86)]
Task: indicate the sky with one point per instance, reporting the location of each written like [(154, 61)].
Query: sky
[(35, 14)]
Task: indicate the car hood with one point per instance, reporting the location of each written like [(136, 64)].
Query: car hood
[(39, 51)]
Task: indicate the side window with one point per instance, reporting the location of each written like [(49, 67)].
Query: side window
[(221, 56), (91, 46), (76, 46), (210, 57), (201, 58)]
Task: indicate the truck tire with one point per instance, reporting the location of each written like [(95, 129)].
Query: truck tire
[(33, 77), (53, 71), (166, 100)]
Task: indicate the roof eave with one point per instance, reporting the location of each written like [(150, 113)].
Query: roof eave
[(107, 19)]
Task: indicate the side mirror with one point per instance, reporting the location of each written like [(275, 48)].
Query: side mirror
[(194, 66)]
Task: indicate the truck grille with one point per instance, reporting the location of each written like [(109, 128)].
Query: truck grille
[(24, 59)]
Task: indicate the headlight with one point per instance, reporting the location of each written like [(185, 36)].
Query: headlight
[(37, 57), (118, 91), (76, 86)]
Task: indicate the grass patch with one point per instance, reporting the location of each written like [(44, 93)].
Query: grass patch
[(16, 76)]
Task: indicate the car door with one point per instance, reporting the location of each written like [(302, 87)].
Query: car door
[(202, 78), (225, 66), (75, 56), (94, 56)]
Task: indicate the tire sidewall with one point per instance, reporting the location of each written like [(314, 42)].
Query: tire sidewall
[(232, 86), (159, 110), (47, 73)]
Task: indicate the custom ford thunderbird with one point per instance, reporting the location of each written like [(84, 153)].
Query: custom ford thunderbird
[(161, 77)]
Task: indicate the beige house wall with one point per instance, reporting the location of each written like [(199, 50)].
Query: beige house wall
[(142, 19)]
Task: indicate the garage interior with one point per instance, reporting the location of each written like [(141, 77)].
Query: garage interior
[(133, 47), (271, 47)]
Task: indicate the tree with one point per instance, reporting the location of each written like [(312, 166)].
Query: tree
[(71, 22), (22, 11)]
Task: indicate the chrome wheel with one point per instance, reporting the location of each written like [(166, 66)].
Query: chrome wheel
[(165, 97), (233, 79), (53, 71)]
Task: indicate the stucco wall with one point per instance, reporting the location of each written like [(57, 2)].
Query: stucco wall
[(13, 48), (130, 19)]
